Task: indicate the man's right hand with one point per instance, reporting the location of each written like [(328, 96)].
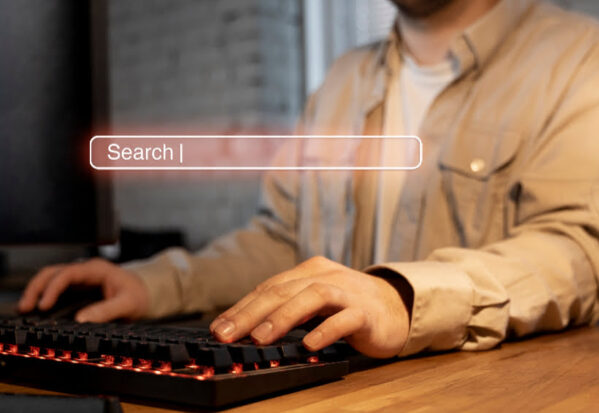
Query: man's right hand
[(125, 295)]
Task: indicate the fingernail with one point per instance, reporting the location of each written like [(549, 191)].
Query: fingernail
[(313, 339), (225, 329), (262, 332), (81, 318), (214, 324)]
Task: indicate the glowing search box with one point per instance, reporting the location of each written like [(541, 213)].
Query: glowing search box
[(252, 153)]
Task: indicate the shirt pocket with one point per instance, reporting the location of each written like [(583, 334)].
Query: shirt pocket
[(475, 170)]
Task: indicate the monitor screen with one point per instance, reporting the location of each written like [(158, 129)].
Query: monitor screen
[(53, 98)]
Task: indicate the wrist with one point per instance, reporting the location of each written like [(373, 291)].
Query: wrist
[(400, 284)]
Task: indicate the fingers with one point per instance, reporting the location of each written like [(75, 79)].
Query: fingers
[(87, 273), (278, 279), (305, 305), (278, 309), (304, 270), (104, 311), (35, 287), (51, 281), (345, 323), (238, 325), (233, 310)]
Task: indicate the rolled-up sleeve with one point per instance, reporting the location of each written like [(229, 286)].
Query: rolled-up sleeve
[(441, 306)]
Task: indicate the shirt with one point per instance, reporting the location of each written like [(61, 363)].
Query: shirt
[(410, 93)]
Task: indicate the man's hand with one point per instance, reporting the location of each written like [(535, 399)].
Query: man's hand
[(366, 310), (125, 294)]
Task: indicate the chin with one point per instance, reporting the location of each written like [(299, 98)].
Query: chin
[(421, 8)]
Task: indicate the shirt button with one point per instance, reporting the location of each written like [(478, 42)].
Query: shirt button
[(477, 165)]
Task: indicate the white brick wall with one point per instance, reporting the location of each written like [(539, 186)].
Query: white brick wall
[(230, 64), (203, 208)]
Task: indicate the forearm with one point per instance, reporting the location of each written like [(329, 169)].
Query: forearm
[(230, 267)]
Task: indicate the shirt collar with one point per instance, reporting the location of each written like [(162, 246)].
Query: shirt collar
[(476, 45), (472, 49), (481, 40)]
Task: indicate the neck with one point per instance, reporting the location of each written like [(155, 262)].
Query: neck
[(429, 39)]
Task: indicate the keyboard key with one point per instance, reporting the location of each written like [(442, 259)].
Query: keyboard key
[(219, 358), (105, 346), (290, 351), (176, 354), (270, 355), (246, 355)]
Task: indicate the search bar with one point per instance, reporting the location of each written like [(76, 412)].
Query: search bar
[(205, 152)]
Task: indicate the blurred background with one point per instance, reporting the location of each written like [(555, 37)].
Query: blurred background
[(213, 66)]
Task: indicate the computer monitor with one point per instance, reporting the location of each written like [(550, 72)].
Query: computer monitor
[(53, 99)]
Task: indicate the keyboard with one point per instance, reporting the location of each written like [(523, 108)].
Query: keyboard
[(178, 365)]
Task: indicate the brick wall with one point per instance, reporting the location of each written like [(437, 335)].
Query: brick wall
[(194, 67), (227, 64)]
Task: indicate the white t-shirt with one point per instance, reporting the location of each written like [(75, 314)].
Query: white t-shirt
[(409, 97)]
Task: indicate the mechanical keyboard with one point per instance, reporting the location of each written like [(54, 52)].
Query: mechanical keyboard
[(178, 365)]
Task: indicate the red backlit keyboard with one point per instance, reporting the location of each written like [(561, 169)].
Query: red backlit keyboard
[(169, 364)]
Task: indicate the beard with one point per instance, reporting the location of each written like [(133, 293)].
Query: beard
[(419, 9)]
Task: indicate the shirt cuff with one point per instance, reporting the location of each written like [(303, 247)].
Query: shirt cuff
[(442, 305)]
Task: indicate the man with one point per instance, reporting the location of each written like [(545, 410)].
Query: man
[(495, 235)]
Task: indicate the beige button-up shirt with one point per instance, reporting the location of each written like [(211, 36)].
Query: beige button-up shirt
[(497, 232)]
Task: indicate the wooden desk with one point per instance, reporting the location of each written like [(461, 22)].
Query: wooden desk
[(552, 373)]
